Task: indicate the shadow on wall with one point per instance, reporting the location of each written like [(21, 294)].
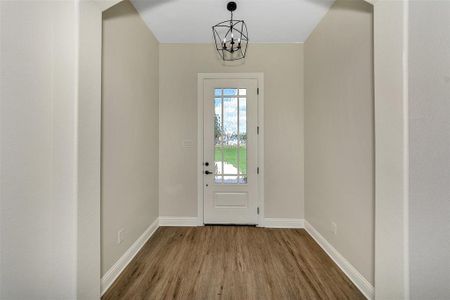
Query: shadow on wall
[(149, 4), (343, 5), (142, 4), (324, 3)]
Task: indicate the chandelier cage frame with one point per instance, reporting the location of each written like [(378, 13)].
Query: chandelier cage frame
[(234, 42)]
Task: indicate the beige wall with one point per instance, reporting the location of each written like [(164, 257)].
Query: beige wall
[(38, 139), (429, 144), (282, 65), (89, 158), (391, 170), (129, 130), (339, 132)]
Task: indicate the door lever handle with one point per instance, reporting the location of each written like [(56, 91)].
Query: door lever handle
[(208, 172)]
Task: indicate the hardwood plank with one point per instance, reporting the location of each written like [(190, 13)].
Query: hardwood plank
[(232, 262)]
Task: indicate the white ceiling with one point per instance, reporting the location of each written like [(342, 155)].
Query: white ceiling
[(268, 21)]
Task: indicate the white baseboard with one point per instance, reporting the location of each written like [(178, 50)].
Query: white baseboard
[(179, 221), (126, 258), (361, 283), (283, 223)]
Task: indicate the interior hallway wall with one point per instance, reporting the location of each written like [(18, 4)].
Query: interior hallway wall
[(38, 127), (339, 132), (429, 158), (282, 65), (129, 130)]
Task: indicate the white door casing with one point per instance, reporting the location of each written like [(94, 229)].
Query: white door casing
[(229, 121)]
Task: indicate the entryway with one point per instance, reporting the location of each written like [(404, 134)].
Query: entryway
[(231, 130), (388, 37)]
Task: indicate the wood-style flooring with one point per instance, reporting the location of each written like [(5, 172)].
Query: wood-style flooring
[(232, 262)]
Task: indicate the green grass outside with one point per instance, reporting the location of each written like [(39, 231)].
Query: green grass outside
[(230, 157)]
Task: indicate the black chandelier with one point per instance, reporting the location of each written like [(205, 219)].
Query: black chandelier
[(231, 37)]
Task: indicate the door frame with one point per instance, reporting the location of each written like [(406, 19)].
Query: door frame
[(259, 77)]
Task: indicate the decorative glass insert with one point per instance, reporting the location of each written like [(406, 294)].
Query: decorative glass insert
[(230, 92), (230, 136)]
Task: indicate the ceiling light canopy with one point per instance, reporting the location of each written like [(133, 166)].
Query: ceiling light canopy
[(231, 37)]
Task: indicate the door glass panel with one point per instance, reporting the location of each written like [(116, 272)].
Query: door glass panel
[(242, 139), (230, 179), (230, 147), (230, 92), (218, 166), (218, 136), (230, 136)]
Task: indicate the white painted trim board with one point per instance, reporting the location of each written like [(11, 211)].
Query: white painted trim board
[(179, 221), (284, 223)]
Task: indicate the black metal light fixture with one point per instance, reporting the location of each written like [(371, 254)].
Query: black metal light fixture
[(231, 37)]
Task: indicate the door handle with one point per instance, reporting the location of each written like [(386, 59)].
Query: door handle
[(207, 172)]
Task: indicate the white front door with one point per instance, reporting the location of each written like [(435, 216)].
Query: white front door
[(230, 151)]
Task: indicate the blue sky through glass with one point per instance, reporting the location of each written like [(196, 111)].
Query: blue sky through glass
[(230, 92)]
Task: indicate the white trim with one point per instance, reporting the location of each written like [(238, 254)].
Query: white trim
[(179, 221), (361, 283), (88, 132), (122, 263), (284, 223), (200, 190), (406, 278), (260, 78), (390, 19)]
